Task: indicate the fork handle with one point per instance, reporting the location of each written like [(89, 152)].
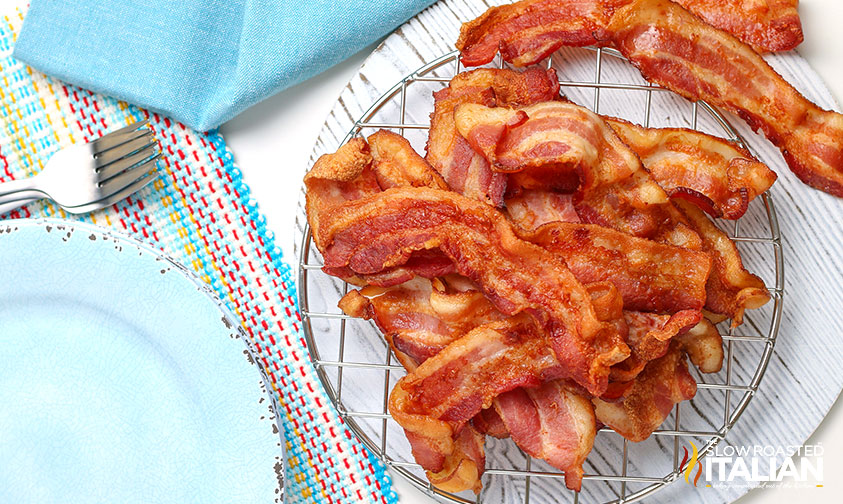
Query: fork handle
[(9, 190), (16, 193), (27, 197)]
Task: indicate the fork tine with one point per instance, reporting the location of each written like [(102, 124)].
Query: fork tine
[(115, 168), (122, 139), (117, 137), (114, 198), (129, 176), (124, 150)]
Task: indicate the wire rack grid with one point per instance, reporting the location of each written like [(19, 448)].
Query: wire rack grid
[(524, 479)]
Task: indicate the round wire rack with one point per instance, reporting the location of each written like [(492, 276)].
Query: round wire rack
[(358, 371)]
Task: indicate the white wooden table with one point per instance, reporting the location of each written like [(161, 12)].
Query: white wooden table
[(272, 142)]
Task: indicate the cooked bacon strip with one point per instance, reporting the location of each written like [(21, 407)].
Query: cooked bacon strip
[(650, 276), (490, 423), (766, 25), (463, 468), (677, 50), (553, 422), (528, 31), (714, 174), (614, 191), (424, 263), (463, 169), (704, 346), (510, 88), (336, 178), (435, 401), (663, 383), (381, 231), (532, 208), (420, 317), (360, 168), (649, 337), (731, 289), (557, 133), (398, 165)]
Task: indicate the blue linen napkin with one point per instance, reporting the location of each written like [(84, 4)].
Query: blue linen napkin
[(200, 61)]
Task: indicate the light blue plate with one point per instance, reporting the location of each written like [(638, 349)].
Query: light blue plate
[(122, 380)]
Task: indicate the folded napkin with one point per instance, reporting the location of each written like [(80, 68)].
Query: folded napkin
[(200, 61), (199, 212)]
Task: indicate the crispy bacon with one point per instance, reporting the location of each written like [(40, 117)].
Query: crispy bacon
[(532, 208), (462, 469), (420, 317), (560, 137), (528, 31), (553, 422), (398, 165), (463, 169), (731, 289), (336, 178), (490, 423), (704, 346), (511, 88), (716, 175), (766, 25), (634, 205), (381, 231), (663, 383), (424, 263), (435, 401), (649, 337), (360, 168), (677, 50), (650, 276), (562, 134)]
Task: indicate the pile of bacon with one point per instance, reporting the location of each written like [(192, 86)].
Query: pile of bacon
[(544, 270)]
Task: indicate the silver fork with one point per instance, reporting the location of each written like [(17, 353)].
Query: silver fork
[(86, 177)]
